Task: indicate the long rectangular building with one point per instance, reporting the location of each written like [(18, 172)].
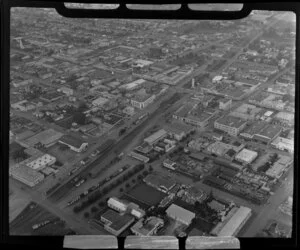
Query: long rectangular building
[(180, 214), (160, 134), (235, 223)]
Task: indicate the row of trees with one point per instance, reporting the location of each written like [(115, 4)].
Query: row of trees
[(99, 194)]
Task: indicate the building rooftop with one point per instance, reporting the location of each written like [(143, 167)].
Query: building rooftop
[(183, 110), (40, 161), (141, 97), (71, 140), (122, 221), (45, 137), (246, 155), (147, 226), (231, 227), (231, 121), (285, 116), (180, 212), (133, 84), (117, 221), (177, 128), (270, 131), (255, 128), (217, 206), (25, 172), (160, 181), (155, 136)]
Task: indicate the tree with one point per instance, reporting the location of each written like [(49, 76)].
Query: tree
[(86, 215), (133, 181), (82, 106), (94, 209), (79, 118), (101, 203), (76, 209), (150, 168), (145, 172), (127, 185), (121, 190), (19, 155)]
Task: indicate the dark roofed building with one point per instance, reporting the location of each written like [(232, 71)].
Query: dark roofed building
[(115, 222), (268, 133)]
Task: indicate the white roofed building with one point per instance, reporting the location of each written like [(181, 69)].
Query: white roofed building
[(246, 156), (41, 162), (117, 204), (160, 134), (99, 101), (180, 214), (234, 224)]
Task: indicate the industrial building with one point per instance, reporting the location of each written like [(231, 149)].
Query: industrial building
[(246, 156), (233, 225), (284, 144), (158, 135), (180, 214), (41, 162), (133, 85), (25, 174), (141, 101), (169, 164), (47, 138), (246, 112), (73, 143), (225, 103), (194, 114), (268, 133), (178, 130), (117, 204), (279, 166), (162, 183), (122, 207), (285, 118), (147, 227), (230, 124), (116, 223), (139, 157), (99, 101)]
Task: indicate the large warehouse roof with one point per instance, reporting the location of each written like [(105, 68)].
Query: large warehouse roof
[(232, 226), (156, 136), (180, 213), (246, 155)]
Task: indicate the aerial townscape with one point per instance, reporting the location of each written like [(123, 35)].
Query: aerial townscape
[(151, 127)]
